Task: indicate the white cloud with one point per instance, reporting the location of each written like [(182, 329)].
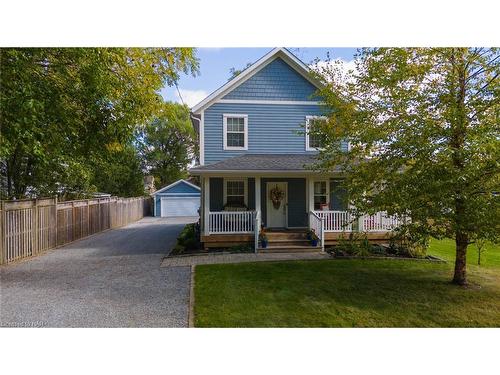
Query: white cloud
[(190, 97)]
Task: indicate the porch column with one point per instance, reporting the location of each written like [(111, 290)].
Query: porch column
[(310, 182), (206, 205), (257, 193)]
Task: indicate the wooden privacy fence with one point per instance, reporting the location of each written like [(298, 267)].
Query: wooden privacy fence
[(29, 227)]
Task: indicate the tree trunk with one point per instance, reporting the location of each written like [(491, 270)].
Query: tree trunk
[(458, 124), (461, 243)]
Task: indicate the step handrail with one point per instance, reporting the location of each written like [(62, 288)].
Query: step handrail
[(317, 224), (257, 224)]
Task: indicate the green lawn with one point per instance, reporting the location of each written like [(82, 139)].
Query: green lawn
[(349, 293)]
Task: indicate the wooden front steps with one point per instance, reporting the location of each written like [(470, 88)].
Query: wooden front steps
[(287, 241), (290, 249)]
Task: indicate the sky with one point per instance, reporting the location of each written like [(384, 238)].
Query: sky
[(215, 64)]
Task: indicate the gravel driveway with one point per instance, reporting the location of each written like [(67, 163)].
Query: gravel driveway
[(112, 279)]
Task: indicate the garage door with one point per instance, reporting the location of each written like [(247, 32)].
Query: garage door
[(179, 207)]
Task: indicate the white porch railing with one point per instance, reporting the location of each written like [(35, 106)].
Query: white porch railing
[(378, 222), (336, 221), (231, 222), (340, 221), (316, 224), (258, 221)]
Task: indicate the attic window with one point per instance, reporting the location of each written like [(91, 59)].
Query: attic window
[(235, 132)]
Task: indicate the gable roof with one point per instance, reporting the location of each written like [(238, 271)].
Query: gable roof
[(174, 184), (283, 53)]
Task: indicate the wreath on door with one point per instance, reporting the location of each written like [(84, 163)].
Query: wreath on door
[(277, 195)]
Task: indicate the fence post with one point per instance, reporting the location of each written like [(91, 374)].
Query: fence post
[(55, 220), (2, 234), (88, 217), (35, 224), (73, 221), (109, 213), (99, 214)]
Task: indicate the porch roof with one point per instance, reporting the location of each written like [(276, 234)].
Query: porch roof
[(260, 163)]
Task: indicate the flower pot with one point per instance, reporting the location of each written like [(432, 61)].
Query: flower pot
[(263, 244), (314, 242)]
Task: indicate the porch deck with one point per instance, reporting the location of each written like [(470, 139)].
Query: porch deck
[(229, 228)]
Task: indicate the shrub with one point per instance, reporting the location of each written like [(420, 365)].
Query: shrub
[(406, 242), (377, 250), (364, 247), (188, 238), (348, 245)]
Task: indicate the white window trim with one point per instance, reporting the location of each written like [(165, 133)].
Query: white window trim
[(309, 118), (327, 183), (245, 188), (224, 132)]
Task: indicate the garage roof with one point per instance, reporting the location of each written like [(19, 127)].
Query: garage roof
[(180, 184)]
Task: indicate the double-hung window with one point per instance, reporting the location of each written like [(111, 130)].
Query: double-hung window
[(235, 132), (320, 195), (235, 193), (313, 139)]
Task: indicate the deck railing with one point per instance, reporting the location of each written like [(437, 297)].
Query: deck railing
[(379, 222), (343, 221), (336, 221), (316, 223), (231, 222)]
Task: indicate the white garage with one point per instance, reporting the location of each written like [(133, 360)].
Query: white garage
[(179, 206), (182, 198)]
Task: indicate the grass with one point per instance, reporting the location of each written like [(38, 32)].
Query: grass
[(350, 293)]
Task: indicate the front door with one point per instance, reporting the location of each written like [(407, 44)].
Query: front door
[(277, 202)]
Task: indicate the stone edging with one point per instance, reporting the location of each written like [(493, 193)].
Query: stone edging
[(434, 259), (206, 254)]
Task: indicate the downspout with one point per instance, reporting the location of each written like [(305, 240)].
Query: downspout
[(202, 180), (192, 117)]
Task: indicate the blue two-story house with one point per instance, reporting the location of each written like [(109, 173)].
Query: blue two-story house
[(254, 160)]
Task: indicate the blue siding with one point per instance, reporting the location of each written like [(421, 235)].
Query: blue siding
[(276, 81), (157, 211), (272, 129)]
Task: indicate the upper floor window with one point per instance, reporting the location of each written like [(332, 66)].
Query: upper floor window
[(313, 141), (235, 132)]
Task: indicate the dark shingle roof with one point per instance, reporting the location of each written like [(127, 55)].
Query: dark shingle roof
[(263, 162)]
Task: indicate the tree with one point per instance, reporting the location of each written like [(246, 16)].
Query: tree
[(63, 109), (481, 248), (423, 127), (120, 173), (168, 144), (236, 72)]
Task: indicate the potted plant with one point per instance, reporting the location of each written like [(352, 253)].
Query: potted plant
[(314, 238), (263, 238), (309, 233)]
